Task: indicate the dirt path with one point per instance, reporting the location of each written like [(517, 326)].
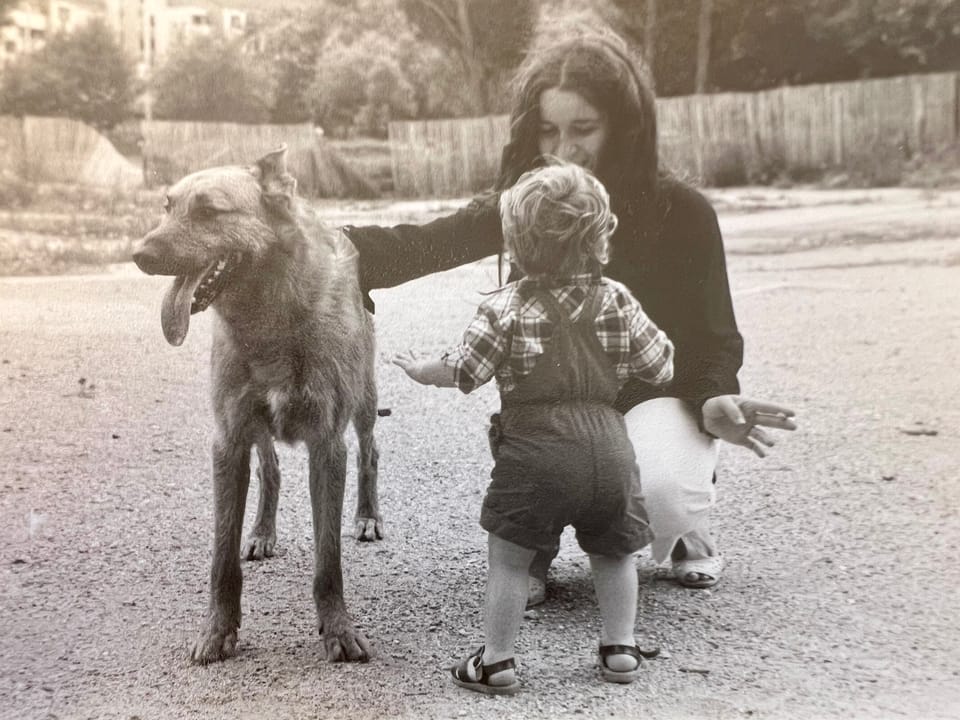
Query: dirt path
[(840, 596)]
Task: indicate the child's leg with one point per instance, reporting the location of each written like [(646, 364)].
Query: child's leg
[(505, 600), (615, 581)]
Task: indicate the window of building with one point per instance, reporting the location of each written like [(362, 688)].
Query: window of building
[(236, 22), (63, 16), (10, 46)]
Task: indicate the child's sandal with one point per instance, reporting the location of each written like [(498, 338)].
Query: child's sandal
[(619, 676), (472, 674)]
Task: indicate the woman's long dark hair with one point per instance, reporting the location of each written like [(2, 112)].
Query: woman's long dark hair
[(600, 68)]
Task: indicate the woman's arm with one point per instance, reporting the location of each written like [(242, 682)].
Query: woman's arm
[(720, 410), (710, 350), (390, 256)]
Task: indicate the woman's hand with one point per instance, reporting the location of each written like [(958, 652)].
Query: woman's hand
[(738, 419), (425, 370)]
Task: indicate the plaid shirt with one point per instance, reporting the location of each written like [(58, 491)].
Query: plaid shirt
[(512, 329)]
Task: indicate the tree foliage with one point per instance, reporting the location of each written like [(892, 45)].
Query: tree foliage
[(354, 65), (5, 7), (83, 75), (487, 38), (885, 37), (766, 43), (213, 80), (293, 41), (359, 90)]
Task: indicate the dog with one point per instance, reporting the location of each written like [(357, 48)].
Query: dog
[(292, 359)]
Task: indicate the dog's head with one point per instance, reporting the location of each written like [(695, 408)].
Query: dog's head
[(215, 221)]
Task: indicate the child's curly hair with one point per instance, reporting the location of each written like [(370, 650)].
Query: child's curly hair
[(557, 222)]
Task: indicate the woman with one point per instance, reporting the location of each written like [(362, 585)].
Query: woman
[(584, 101)]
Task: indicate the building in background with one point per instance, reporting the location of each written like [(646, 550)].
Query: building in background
[(146, 29), (29, 24)]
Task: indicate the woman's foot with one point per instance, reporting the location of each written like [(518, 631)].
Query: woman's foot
[(696, 572), (499, 678), (699, 573)]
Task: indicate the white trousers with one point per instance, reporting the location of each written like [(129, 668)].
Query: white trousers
[(677, 464)]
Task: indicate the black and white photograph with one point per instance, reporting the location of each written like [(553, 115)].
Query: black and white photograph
[(439, 359)]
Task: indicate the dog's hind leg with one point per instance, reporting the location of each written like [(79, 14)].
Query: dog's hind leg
[(368, 524), (262, 539), (217, 639), (328, 471)]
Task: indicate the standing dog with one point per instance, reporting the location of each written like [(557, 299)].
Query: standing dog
[(292, 359)]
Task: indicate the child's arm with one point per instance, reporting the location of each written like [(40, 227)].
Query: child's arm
[(475, 360), (425, 370)]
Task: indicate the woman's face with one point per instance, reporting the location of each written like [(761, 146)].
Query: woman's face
[(571, 128)]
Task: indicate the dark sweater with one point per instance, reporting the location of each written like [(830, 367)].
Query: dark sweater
[(680, 279)]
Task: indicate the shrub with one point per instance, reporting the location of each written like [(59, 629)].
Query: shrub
[(15, 193), (880, 166), (725, 166)]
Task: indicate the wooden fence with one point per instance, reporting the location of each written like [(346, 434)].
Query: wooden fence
[(805, 126), (40, 149), (812, 126), (173, 149), (439, 158)]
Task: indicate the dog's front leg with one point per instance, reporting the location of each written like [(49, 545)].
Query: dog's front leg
[(328, 472), (217, 639)]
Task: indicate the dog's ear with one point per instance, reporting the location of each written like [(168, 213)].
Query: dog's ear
[(277, 185)]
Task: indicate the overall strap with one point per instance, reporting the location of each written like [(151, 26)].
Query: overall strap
[(591, 306), (553, 307)]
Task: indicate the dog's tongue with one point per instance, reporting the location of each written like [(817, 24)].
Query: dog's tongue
[(175, 313)]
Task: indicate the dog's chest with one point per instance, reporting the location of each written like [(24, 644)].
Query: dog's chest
[(283, 394), (295, 401)]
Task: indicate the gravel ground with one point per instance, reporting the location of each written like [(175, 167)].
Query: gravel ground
[(840, 597)]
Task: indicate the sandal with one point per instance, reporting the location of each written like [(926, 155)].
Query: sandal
[(472, 674), (619, 676), (699, 573)]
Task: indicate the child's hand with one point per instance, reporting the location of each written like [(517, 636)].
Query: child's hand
[(425, 370)]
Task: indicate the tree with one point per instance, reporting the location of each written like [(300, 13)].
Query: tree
[(354, 65), (704, 30), (650, 37), (487, 37), (5, 7), (359, 88), (886, 37), (293, 41), (213, 80), (83, 75)]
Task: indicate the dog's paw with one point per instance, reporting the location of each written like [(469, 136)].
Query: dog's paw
[(368, 529), (258, 546), (342, 642), (213, 645)]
